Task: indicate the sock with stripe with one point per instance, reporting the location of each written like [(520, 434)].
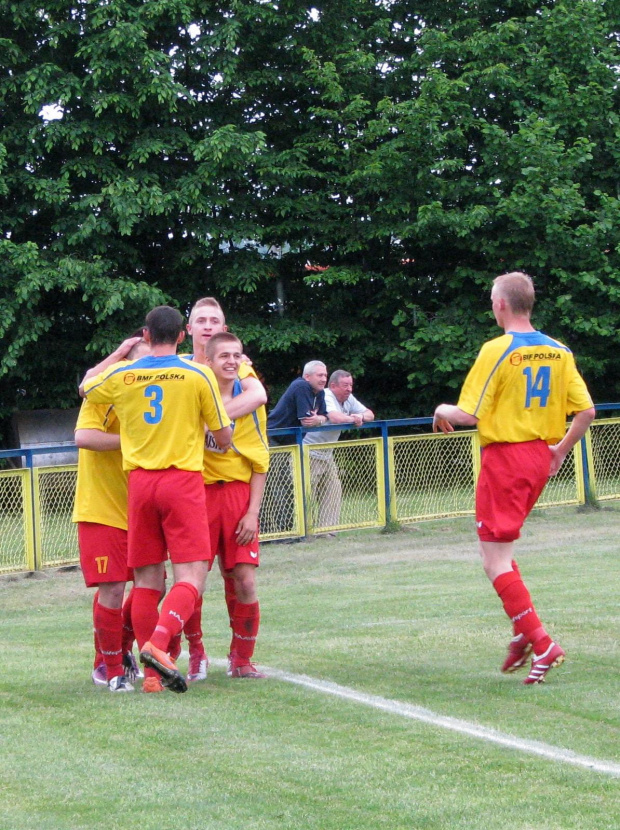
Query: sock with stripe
[(128, 635), (177, 608), (109, 627), (246, 622), (193, 628), (518, 605)]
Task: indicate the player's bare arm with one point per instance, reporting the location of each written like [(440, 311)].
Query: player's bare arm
[(447, 416), (118, 354), (578, 428), (97, 439), (253, 396), (222, 437), (247, 529)]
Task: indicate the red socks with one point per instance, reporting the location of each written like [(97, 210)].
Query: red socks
[(109, 628), (98, 655), (230, 596), (245, 623), (128, 635), (518, 605), (176, 610), (193, 628), (144, 613)]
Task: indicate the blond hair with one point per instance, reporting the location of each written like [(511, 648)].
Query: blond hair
[(206, 302), (517, 289)]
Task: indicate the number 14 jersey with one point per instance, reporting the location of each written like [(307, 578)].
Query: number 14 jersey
[(521, 387)]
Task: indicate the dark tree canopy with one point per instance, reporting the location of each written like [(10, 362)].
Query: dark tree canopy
[(345, 177)]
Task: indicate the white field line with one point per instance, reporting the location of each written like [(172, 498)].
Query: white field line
[(418, 713)]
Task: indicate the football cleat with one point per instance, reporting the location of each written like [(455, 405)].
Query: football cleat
[(198, 667), (152, 685), (120, 684), (240, 667), (100, 675), (157, 659), (542, 663), (518, 651), (132, 669)]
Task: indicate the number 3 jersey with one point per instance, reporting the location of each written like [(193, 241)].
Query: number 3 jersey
[(162, 404), (521, 387)]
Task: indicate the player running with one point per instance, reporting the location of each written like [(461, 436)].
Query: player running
[(518, 393)]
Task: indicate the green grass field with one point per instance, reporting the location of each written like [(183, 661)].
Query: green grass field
[(397, 621)]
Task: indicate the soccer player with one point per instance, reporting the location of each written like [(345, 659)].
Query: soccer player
[(206, 319), (519, 392), (100, 510), (163, 403), (235, 482)]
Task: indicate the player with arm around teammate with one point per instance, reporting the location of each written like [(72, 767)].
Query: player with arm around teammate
[(163, 403), (205, 320), (518, 393)]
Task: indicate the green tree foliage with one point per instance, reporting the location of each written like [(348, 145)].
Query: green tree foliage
[(414, 151)]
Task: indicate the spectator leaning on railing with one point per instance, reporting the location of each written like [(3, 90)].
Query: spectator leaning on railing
[(342, 408), (303, 403)]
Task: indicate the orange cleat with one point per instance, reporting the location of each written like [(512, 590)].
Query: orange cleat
[(152, 685), (157, 659)]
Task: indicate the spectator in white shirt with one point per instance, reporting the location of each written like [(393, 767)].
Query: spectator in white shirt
[(342, 408)]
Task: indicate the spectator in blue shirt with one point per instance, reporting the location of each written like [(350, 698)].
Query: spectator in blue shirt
[(303, 403)]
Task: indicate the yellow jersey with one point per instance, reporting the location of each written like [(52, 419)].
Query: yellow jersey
[(523, 386), (162, 404), (101, 490), (249, 452)]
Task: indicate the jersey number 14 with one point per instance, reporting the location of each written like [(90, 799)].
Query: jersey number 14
[(538, 385)]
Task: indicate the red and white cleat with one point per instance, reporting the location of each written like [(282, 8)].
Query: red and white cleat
[(542, 663)]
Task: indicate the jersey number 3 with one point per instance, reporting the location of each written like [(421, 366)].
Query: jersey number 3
[(538, 385), (155, 395)]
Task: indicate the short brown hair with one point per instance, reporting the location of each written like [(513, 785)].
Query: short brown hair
[(517, 289), (217, 339)]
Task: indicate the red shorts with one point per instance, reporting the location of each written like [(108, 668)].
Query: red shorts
[(228, 502), (167, 512), (103, 554), (511, 479)]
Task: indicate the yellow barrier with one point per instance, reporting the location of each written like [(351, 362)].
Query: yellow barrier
[(282, 514), (324, 488), (55, 533), (432, 476), (603, 451), (345, 485), (17, 536)]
